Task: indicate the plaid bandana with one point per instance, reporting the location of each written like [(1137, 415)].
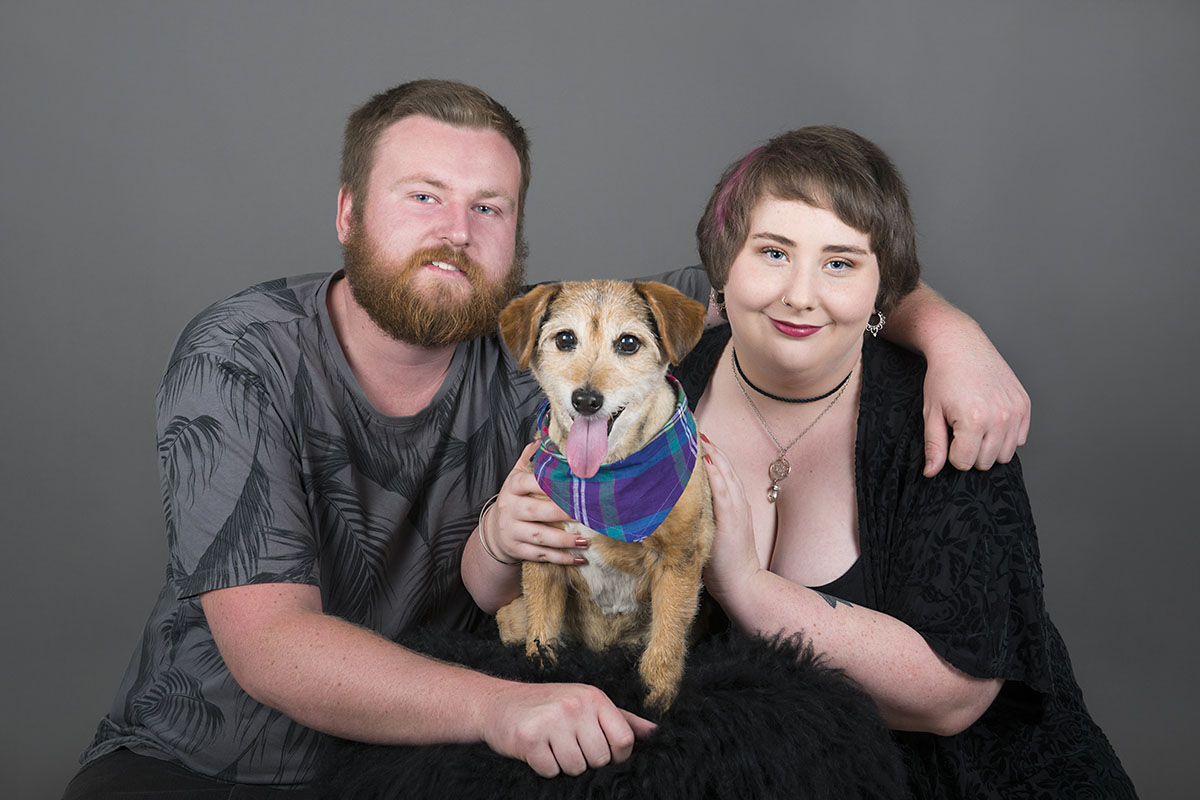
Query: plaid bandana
[(627, 499)]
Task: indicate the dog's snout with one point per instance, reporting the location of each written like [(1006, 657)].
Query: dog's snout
[(587, 401)]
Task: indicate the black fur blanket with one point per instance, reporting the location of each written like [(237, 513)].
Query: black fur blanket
[(753, 719)]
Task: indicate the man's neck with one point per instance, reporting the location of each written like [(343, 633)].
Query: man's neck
[(399, 378)]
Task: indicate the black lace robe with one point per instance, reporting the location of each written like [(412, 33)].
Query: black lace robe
[(956, 558)]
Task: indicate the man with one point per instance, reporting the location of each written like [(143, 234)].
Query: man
[(326, 443)]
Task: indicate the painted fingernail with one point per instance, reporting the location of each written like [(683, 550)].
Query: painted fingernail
[(707, 460), (580, 560), (582, 542), (705, 438)]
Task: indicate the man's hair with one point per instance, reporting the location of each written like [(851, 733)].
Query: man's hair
[(445, 101), (827, 167)]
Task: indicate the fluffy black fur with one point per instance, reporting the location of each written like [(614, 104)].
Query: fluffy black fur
[(753, 719)]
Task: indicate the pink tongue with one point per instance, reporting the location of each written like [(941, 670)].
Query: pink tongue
[(587, 444)]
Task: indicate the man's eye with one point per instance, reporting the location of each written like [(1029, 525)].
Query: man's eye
[(627, 344), (486, 210), (565, 340)]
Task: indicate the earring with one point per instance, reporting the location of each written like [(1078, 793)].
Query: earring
[(878, 326), (717, 299)]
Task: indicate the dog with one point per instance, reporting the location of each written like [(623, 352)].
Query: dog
[(600, 351)]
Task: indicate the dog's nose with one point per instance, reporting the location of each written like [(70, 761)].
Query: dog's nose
[(587, 401)]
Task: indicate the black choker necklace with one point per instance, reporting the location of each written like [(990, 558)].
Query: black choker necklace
[(786, 399)]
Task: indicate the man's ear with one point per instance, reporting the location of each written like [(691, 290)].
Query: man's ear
[(345, 214), (521, 321)]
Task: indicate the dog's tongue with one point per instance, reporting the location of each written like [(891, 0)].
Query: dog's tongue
[(587, 444)]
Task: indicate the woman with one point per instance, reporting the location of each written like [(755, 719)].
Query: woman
[(926, 591)]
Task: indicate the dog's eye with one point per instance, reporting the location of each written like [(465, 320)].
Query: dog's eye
[(565, 340), (627, 344)]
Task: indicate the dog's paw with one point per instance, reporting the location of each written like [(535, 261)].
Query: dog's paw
[(661, 674), (541, 653), (660, 698), (513, 622)]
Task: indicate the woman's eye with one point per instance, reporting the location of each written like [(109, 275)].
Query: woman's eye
[(774, 254), (628, 344), (565, 340), (838, 265)]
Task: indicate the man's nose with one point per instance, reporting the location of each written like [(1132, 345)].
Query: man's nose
[(454, 226)]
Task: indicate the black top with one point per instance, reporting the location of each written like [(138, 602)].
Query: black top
[(956, 558)]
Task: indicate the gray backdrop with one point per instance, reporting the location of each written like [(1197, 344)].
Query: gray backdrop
[(157, 157)]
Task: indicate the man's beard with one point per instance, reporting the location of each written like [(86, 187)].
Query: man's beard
[(430, 316)]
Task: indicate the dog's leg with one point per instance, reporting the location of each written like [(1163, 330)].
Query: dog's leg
[(545, 588), (513, 622), (674, 598)]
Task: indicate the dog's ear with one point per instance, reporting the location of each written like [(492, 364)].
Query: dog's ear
[(679, 318), (521, 321)]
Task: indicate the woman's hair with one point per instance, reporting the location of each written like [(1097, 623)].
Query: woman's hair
[(827, 167)]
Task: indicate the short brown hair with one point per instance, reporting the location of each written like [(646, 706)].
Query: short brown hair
[(827, 167), (445, 101)]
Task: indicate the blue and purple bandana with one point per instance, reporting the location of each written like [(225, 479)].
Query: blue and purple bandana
[(627, 499)]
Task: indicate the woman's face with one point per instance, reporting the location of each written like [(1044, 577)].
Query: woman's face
[(830, 278)]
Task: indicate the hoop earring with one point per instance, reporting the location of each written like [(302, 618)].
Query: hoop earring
[(718, 301), (878, 326)]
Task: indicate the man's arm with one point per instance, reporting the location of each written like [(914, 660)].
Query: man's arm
[(345, 680), (969, 387)]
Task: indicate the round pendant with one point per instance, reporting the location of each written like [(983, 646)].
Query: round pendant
[(779, 469)]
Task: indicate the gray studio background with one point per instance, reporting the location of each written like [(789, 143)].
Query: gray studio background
[(158, 156)]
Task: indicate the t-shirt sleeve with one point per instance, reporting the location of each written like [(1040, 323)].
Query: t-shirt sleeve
[(965, 571), (231, 481), (692, 281)]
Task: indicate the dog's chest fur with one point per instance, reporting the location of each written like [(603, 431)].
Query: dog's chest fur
[(614, 591)]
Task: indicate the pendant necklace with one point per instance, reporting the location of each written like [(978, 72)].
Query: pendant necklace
[(780, 468)]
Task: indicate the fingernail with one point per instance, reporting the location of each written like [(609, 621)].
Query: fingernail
[(705, 438), (580, 560), (707, 460), (582, 542)]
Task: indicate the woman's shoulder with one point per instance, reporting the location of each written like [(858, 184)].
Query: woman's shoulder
[(697, 366), (893, 380)]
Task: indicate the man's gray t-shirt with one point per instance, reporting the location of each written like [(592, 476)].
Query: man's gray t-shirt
[(275, 468)]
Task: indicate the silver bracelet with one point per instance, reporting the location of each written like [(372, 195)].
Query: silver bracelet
[(483, 541)]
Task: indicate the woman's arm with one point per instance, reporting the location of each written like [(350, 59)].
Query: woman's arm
[(516, 528), (969, 387), (913, 686)]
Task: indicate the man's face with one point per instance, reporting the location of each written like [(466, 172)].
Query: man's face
[(431, 252)]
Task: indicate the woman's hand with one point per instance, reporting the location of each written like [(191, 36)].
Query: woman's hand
[(734, 560), (518, 527)]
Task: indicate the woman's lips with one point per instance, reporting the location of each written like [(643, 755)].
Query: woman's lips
[(798, 331)]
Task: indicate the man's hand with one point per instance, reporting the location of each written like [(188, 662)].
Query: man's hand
[(971, 390), (561, 727), (969, 387)]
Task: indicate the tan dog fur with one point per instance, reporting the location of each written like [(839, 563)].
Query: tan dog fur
[(641, 594)]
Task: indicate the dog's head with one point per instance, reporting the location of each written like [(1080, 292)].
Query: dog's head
[(600, 350)]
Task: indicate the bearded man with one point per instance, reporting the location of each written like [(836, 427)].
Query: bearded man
[(326, 443)]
